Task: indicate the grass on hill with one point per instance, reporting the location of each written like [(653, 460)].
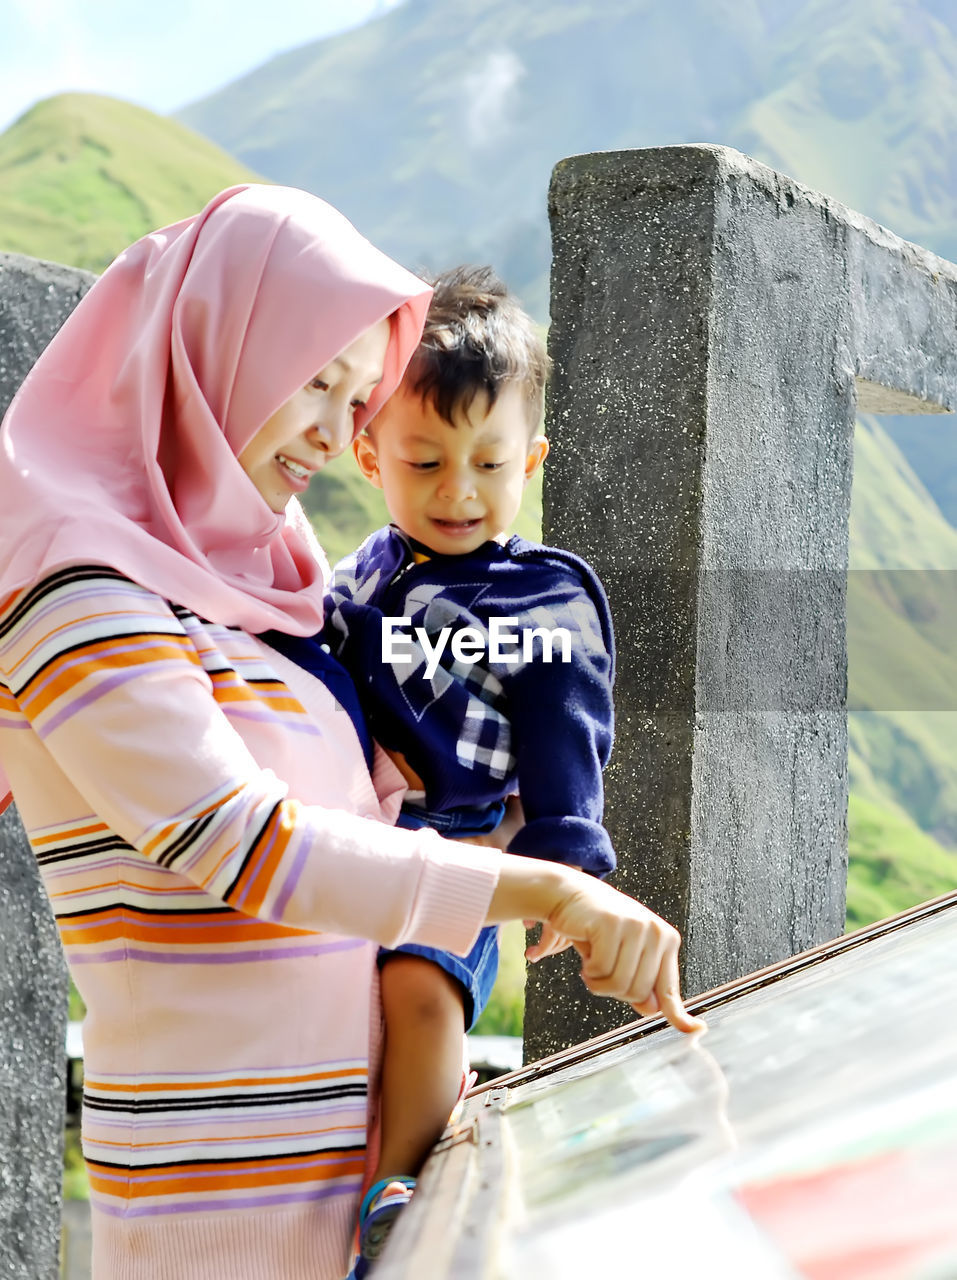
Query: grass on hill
[(83, 176), (902, 662), (892, 864)]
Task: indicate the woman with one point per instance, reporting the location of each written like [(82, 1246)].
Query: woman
[(212, 826)]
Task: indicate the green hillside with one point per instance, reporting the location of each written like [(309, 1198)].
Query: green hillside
[(895, 523), (902, 671), (930, 445), (893, 865), (861, 106), (902, 661), (83, 176)]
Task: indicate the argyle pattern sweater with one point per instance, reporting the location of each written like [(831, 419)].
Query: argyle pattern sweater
[(221, 867), (512, 720)]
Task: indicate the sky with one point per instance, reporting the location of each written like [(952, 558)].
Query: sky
[(161, 56)]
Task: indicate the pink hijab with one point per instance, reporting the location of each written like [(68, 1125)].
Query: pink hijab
[(120, 447)]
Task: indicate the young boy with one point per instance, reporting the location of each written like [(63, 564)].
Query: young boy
[(484, 665)]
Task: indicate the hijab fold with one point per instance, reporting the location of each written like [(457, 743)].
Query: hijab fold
[(121, 446)]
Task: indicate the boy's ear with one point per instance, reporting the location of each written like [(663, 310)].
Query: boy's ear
[(536, 455), (365, 455)]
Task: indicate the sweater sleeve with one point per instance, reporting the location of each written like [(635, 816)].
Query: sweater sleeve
[(562, 717), (106, 676)]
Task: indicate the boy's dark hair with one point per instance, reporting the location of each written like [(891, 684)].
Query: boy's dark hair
[(477, 338)]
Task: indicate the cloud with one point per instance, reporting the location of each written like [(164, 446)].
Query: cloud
[(491, 92)]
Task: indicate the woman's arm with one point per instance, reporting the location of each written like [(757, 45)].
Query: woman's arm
[(123, 711)]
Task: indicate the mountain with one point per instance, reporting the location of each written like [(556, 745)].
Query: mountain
[(82, 176), (930, 445), (435, 127), (893, 865)]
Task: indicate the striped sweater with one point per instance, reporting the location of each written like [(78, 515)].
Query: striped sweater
[(219, 861)]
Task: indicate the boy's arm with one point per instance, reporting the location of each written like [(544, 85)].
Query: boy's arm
[(562, 719)]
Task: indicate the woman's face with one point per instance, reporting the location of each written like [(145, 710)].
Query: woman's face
[(315, 424)]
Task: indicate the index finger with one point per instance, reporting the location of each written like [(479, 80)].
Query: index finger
[(667, 992)]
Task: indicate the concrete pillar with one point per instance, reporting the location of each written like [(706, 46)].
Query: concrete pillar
[(33, 991), (35, 299), (715, 327)]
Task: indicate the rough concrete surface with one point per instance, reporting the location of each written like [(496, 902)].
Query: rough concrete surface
[(33, 991), (35, 299), (714, 327)]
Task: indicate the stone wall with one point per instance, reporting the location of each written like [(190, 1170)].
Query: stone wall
[(715, 328), (35, 299)]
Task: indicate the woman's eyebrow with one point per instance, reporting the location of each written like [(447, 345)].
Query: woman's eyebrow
[(348, 367)]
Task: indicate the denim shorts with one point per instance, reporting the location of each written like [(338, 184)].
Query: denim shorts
[(460, 823), (475, 972)]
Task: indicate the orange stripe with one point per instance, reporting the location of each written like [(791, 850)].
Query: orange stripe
[(237, 1176), (141, 886), (72, 834), (258, 877), (71, 672), (86, 931), (227, 689), (238, 1081)]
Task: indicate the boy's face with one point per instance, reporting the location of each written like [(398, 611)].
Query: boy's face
[(452, 487)]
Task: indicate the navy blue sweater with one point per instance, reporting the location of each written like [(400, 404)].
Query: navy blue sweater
[(476, 732)]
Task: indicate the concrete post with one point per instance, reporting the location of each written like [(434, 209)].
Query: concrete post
[(715, 327), (35, 299)]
